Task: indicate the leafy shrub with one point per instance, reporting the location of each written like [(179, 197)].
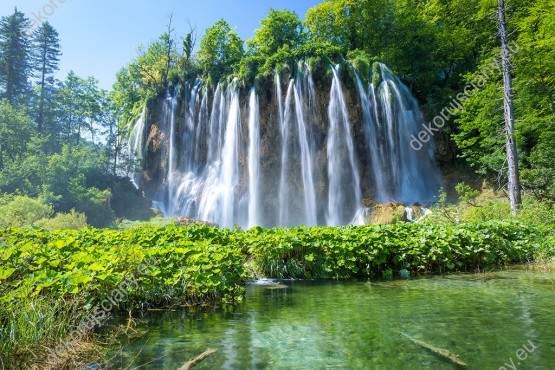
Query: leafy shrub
[(64, 221), (22, 211)]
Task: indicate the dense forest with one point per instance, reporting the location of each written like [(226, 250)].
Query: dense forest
[(61, 140)]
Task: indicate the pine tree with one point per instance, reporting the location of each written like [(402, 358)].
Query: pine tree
[(14, 47), (46, 56)]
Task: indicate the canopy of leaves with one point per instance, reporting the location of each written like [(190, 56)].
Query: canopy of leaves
[(282, 29), (220, 52)]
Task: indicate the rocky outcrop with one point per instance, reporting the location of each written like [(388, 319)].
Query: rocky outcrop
[(186, 221)]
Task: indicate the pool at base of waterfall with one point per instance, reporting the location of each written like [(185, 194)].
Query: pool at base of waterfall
[(485, 320)]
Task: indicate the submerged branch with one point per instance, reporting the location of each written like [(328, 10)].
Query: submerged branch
[(195, 361), (441, 352)]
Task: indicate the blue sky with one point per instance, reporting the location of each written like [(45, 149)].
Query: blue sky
[(98, 37)]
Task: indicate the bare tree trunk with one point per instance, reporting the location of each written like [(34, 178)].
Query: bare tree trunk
[(510, 144)]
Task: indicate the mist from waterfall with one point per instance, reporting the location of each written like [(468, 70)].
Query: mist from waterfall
[(292, 161)]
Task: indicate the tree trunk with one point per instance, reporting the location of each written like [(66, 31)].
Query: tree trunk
[(510, 144)]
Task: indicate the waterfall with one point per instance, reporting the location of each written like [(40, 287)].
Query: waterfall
[(371, 134), (412, 176), (254, 161), (230, 158), (306, 155), (170, 112), (215, 131), (188, 152), (134, 148), (304, 136), (284, 193), (344, 194)]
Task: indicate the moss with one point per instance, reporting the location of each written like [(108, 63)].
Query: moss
[(376, 74)]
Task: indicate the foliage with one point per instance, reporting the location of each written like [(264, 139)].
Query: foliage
[(370, 250), (281, 29), (220, 52), (45, 58), (22, 211), (64, 221), (15, 133), (55, 279), (186, 266), (155, 64), (15, 67)]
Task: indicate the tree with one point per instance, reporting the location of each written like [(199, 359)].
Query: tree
[(154, 64), (280, 29), (510, 145), (534, 83), (80, 108), (220, 51), (14, 45), (46, 56), (15, 133)]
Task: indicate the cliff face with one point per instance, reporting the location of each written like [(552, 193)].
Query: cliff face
[(182, 134)]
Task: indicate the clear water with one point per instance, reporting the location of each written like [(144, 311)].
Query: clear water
[(484, 319)]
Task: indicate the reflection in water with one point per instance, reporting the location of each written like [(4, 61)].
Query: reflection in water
[(360, 324)]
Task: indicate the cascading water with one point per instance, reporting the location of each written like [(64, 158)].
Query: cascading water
[(344, 194), (297, 195), (302, 159), (372, 127), (304, 136), (284, 200), (134, 147), (391, 117), (170, 112), (230, 159), (254, 161)]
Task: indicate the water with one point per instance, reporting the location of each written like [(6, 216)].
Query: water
[(134, 147), (297, 199), (418, 214), (254, 161), (391, 118), (484, 319), (298, 154), (344, 195)]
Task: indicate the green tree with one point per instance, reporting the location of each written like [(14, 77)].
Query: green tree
[(14, 46), (80, 108), (220, 51), (46, 56), (15, 133), (66, 185), (280, 29), (154, 66)]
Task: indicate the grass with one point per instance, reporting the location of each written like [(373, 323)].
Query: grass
[(30, 327)]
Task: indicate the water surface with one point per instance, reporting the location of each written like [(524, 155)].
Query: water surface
[(484, 319)]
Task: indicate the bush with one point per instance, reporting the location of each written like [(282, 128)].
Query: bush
[(22, 211), (64, 221)]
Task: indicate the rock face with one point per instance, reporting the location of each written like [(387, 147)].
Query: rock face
[(180, 139)]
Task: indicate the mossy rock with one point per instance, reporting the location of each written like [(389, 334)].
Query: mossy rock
[(389, 213)]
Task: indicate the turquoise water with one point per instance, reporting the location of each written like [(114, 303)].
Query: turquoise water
[(483, 319)]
